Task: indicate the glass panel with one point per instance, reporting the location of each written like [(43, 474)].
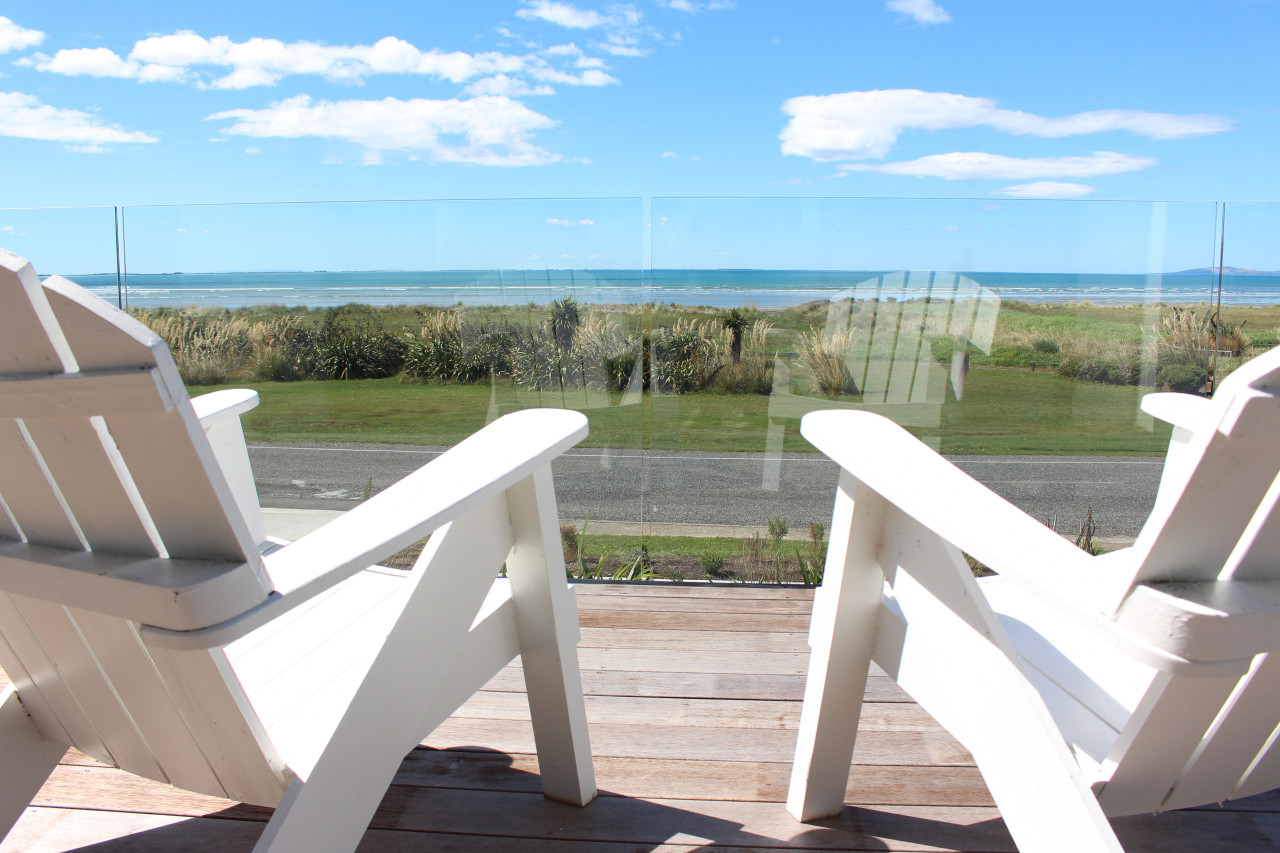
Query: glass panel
[(1017, 337), (79, 243), (378, 334), (1249, 313)]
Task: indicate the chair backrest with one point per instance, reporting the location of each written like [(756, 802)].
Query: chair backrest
[(1209, 732), (113, 513), (1218, 519)]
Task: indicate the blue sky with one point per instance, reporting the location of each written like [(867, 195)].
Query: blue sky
[(179, 104)]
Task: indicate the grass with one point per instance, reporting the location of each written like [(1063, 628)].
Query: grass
[(1004, 411)]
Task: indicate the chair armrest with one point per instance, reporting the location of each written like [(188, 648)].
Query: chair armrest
[(1182, 410), (471, 472), (927, 487), (217, 406), (219, 414)]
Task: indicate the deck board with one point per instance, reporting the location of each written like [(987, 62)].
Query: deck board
[(693, 695)]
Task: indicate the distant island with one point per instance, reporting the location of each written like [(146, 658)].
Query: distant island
[(1225, 271)]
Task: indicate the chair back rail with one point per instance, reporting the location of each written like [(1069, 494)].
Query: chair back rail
[(81, 476)]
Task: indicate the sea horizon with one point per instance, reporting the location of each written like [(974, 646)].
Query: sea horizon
[(717, 288)]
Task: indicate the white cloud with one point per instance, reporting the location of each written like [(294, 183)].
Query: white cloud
[(974, 165), (15, 37), (493, 130), (562, 14), (264, 62), (1045, 189), (671, 155), (589, 77), (920, 11), (681, 5), (861, 125), (569, 223), (23, 116), (511, 87)]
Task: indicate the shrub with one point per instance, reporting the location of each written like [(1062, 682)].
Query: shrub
[(712, 564), (1187, 378), (752, 375), (357, 349), (1044, 345), (824, 354)]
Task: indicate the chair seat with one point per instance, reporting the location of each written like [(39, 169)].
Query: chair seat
[(1094, 688)]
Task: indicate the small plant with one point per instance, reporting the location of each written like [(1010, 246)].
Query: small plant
[(712, 564), (778, 529), (566, 317), (1046, 346), (737, 323), (814, 560), (1084, 540), (639, 569), (368, 488), (569, 543)]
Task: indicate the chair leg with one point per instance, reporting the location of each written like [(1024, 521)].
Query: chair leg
[(547, 625), (840, 636), (28, 759)]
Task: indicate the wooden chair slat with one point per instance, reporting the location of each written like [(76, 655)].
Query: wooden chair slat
[(29, 495), (99, 336), (127, 663), (84, 680), (193, 513), (67, 713), (1237, 737), (25, 348), (91, 486)]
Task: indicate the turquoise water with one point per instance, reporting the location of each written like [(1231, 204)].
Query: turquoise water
[(720, 288)]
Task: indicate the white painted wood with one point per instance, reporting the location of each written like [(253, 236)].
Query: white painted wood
[(31, 499), (24, 348), (547, 625), (841, 635), (1084, 686), (29, 758), (129, 563), (221, 423), (1236, 739), (90, 486)]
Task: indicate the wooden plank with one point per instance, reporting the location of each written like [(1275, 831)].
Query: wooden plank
[(634, 604), (30, 498), (714, 713), (695, 779), (742, 641), (693, 660), (24, 346), (692, 589), (710, 621), (91, 486), (108, 789), (726, 744), (697, 684), (194, 517)]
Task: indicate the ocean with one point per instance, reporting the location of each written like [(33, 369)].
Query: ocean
[(717, 288)]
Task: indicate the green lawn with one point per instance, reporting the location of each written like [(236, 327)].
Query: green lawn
[(1003, 411)]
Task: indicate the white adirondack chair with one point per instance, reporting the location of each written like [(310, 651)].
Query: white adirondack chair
[(139, 623), (1085, 687)]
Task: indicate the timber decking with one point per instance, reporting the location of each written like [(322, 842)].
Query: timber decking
[(693, 694)]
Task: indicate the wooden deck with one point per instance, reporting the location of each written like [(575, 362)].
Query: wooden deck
[(693, 693)]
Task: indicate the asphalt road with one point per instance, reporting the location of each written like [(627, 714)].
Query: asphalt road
[(719, 488)]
